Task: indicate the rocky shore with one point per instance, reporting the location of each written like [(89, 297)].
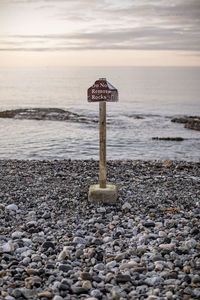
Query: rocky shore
[(56, 245), (191, 122), (50, 114)]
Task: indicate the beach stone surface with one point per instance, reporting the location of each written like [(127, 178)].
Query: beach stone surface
[(54, 244)]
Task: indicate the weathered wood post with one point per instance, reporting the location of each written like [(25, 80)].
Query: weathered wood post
[(102, 91), (102, 144)]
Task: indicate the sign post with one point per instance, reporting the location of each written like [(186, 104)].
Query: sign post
[(102, 91), (102, 144)]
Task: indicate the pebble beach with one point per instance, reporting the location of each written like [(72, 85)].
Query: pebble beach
[(54, 244)]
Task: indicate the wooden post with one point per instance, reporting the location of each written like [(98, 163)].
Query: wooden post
[(102, 144)]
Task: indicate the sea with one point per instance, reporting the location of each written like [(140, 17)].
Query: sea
[(149, 97)]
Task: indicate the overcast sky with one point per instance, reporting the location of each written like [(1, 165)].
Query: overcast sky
[(94, 32)]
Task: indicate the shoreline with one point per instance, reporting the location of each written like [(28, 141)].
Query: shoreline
[(56, 245)]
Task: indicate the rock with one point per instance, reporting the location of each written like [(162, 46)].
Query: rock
[(167, 246), (176, 139), (117, 255), (63, 254), (191, 122), (99, 267), (120, 278), (16, 293), (159, 267), (111, 264), (186, 269), (45, 294), (195, 231), (154, 281), (52, 114), (12, 207), (17, 234), (149, 224), (27, 293), (116, 293), (101, 209), (126, 206), (63, 286), (87, 285), (56, 297), (96, 293), (30, 271), (7, 248), (86, 276), (30, 282), (65, 268), (27, 242), (79, 253), (169, 295), (196, 278), (196, 292), (46, 245), (79, 240), (78, 290), (128, 265), (121, 256)]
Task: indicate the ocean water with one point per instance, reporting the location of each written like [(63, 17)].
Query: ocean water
[(148, 99)]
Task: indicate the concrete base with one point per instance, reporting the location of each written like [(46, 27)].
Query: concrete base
[(99, 195)]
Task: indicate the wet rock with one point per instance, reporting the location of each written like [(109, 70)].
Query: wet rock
[(176, 139), (191, 122), (53, 114)]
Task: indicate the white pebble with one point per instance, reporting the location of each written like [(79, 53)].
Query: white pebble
[(12, 207)]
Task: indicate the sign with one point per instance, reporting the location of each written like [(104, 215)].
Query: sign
[(102, 90)]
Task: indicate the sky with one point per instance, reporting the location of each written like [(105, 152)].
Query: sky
[(99, 33)]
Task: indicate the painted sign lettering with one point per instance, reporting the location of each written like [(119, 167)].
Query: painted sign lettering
[(102, 90)]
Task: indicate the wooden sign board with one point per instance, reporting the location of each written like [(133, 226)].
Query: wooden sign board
[(102, 90)]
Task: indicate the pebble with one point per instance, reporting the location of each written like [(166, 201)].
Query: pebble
[(63, 254), (79, 240), (154, 280), (126, 206), (87, 285), (56, 297), (12, 207), (167, 246), (128, 265), (45, 294), (7, 248), (86, 276), (17, 234), (96, 293), (61, 247)]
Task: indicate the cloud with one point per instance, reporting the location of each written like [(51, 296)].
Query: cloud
[(125, 25)]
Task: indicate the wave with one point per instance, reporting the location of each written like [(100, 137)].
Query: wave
[(51, 114)]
